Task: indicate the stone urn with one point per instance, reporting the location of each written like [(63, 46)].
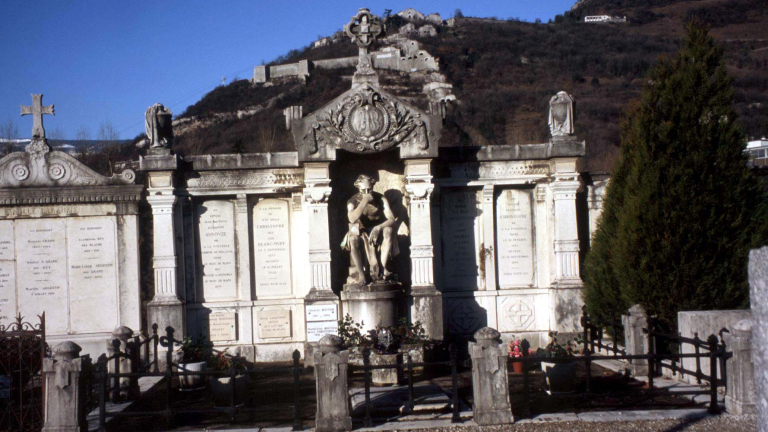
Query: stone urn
[(561, 377), (389, 376), (221, 387), (192, 382)]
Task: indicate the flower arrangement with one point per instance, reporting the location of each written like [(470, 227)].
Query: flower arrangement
[(384, 339), (224, 362), (515, 348), (195, 350), (555, 350)]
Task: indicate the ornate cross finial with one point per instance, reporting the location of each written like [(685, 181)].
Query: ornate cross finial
[(37, 110), (363, 29)]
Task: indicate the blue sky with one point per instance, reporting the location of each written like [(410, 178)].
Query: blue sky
[(110, 60)]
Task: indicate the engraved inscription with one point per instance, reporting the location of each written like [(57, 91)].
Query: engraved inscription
[(316, 330), (222, 326), (514, 238), (41, 256), (272, 249), (274, 324), (217, 249), (92, 274), (461, 233), (7, 274)]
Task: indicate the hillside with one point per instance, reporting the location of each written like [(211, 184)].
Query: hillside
[(504, 72)]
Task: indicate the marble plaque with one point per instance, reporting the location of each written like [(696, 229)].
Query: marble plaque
[(316, 330), (92, 274), (41, 256), (222, 326), (7, 274), (322, 312), (7, 292), (460, 234), (217, 249), (272, 247), (274, 324), (514, 238)]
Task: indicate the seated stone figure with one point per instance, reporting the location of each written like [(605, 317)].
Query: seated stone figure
[(371, 237)]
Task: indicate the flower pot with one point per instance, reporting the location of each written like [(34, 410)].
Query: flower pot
[(517, 367), (389, 376), (561, 377), (222, 390), (191, 382)]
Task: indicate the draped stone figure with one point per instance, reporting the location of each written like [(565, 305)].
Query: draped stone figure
[(157, 124), (561, 114), (371, 237)]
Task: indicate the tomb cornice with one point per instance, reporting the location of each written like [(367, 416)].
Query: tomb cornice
[(71, 195)]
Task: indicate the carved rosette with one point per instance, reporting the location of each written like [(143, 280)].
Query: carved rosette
[(38, 166)]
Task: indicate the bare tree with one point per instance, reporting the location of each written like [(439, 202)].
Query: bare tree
[(83, 134), (8, 132), (107, 137), (266, 139), (56, 134)]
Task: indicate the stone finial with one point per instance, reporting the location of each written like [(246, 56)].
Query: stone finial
[(330, 344), (37, 110), (637, 310), (561, 114), (487, 335), (158, 126), (66, 351)]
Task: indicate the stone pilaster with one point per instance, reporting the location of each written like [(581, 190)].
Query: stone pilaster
[(426, 301), (565, 295), (167, 307), (758, 295), (740, 391), (316, 194), (64, 407), (489, 239), (490, 381), (243, 249)]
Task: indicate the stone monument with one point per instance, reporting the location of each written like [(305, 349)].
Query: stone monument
[(490, 382), (561, 115), (364, 29), (371, 289), (157, 124)]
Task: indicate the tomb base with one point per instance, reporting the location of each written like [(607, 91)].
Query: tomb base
[(166, 313), (374, 304)]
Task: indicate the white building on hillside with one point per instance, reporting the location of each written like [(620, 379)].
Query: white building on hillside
[(758, 152), (604, 19)]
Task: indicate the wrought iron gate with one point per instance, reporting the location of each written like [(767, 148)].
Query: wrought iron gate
[(22, 350)]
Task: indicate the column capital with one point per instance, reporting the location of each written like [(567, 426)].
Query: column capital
[(317, 195)]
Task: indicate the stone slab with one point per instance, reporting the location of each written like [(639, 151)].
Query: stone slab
[(274, 324), (322, 312), (216, 225), (222, 326), (461, 238), (316, 330), (272, 248), (514, 238), (393, 400)]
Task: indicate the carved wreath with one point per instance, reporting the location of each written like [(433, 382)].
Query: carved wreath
[(369, 122)]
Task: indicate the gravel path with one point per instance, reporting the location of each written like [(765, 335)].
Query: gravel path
[(722, 423)]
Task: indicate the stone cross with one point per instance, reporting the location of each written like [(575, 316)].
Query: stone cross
[(363, 29), (37, 110)]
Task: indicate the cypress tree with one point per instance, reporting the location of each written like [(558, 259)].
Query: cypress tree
[(682, 210)]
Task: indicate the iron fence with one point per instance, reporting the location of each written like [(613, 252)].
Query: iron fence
[(22, 385), (109, 382)]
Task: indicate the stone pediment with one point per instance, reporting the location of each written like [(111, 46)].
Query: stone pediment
[(366, 120), (38, 166)]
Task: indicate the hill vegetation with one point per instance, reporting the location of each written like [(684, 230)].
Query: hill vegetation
[(504, 73)]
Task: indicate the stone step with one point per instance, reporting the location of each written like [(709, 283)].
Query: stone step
[(388, 401)]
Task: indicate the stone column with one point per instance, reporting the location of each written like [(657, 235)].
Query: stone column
[(331, 381), (426, 301), (566, 293), (740, 392), (64, 407), (490, 383), (758, 294), (635, 341), (166, 308)]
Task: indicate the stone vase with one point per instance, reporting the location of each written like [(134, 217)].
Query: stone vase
[(221, 388), (389, 376), (561, 377), (192, 382)]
